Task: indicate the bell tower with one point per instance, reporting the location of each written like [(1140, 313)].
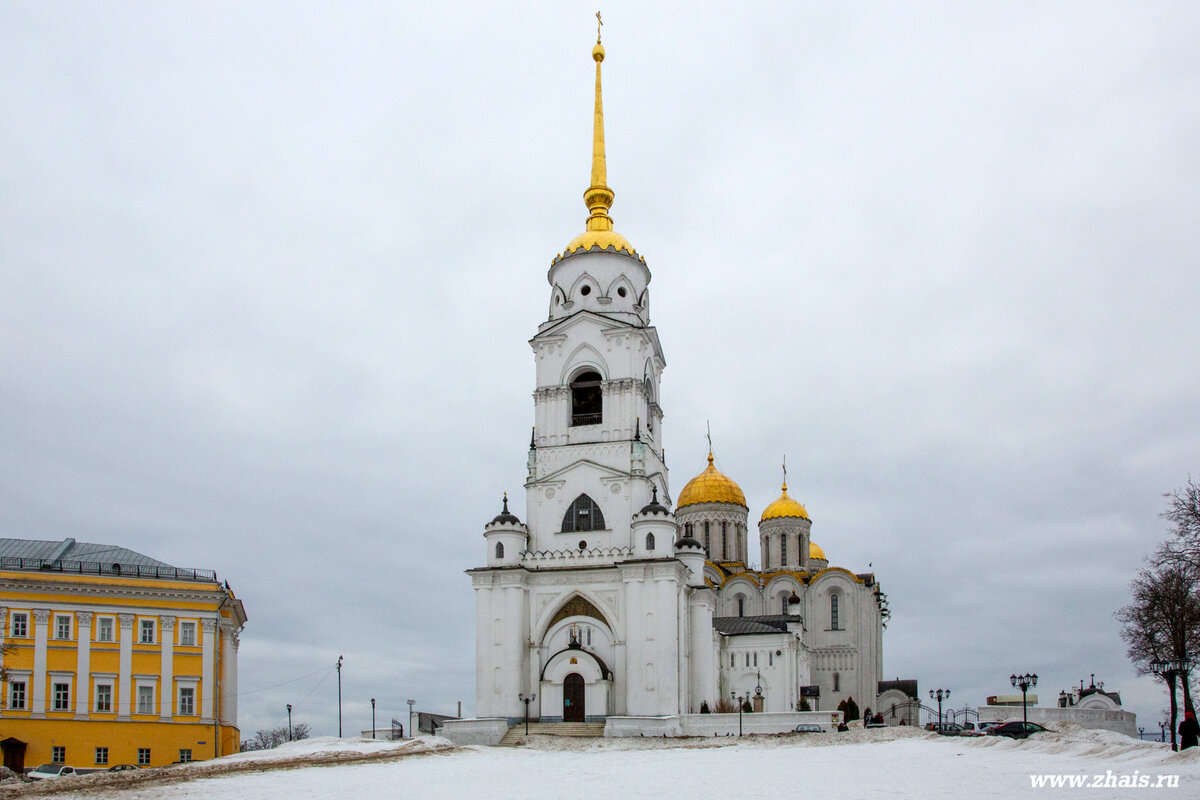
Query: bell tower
[(595, 457)]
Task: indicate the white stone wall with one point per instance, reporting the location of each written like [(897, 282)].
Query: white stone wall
[(486, 731), (1118, 721)]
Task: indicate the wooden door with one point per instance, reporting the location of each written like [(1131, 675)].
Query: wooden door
[(573, 708)]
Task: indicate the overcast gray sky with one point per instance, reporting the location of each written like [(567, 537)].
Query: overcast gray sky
[(267, 273)]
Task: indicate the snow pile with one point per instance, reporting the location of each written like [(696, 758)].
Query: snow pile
[(330, 745)]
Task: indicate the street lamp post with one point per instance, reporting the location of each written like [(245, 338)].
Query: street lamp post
[(289, 722), (339, 669), (1024, 681), (1168, 670), (411, 703), (739, 700), (941, 694), (527, 701), (372, 717)]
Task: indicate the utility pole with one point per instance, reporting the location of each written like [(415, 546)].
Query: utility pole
[(289, 722), (339, 669)]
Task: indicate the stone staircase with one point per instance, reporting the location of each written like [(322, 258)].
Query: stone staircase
[(516, 733)]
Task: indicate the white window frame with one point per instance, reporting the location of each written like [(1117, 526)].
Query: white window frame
[(102, 751), (147, 625), (189, 625), (107, 681), (191, 712), (55, 682), (23, 618), (185, 755), (143, 756), (137, 696), (59, 620), (112, 629), (22, 677)]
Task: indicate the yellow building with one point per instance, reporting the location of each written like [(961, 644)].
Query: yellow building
[(111, 657)]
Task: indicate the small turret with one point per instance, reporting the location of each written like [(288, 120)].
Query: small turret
[(653, 529), (507, 538)]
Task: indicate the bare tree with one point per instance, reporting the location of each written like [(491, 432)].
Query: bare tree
[(1162, 622), (273, 737), (1184, 513)]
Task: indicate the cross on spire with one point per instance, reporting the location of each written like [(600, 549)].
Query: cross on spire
[(599, 22)]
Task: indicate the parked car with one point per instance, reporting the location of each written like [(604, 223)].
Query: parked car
[(945, 729), (983, 727), (122, 767), (50, 771), (970, 729), (1016, 730), (808, 727)]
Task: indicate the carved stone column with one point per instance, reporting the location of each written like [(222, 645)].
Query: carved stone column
[(125, 667), (41, 628), (166, 700), (83, 661)]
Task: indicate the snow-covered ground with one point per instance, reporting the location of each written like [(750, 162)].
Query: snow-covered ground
[(860, 764)]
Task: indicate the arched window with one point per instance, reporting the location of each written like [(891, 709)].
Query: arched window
[(783, 549), (648, 387), (783, 598), (687, 529), (499, 549), (587, 402), (741, 606), (837, 681), (583, 515), (724, 541), (833, 611), (649, 541), (707, 551)]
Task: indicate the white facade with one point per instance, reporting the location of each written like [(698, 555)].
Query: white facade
[(597, 605)]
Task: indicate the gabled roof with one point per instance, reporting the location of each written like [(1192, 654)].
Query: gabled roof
[(908, 686)]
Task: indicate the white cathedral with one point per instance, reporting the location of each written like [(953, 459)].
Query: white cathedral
[(605, 603)]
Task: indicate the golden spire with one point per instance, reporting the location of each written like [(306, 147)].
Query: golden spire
[(599, 198)]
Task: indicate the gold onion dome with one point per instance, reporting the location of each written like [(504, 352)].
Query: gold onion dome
[(598, 197), (816, 552), (784, 507), (711, 486)]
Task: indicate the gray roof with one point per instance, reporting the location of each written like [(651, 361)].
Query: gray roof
[(71, 550), (742, 626), (908, 686)]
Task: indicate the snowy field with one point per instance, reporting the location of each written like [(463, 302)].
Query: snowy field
[(860, 764)]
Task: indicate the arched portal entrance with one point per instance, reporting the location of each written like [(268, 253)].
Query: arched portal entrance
[(573, 703)]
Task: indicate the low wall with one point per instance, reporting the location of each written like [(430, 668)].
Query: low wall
[(1118, 721), (719, 724), (485, 731)]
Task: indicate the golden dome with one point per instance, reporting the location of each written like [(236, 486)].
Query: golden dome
[(816, 552), (784, 507), (602, 239), (711, 486)]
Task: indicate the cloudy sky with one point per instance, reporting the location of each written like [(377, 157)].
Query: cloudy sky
[(268, 270)]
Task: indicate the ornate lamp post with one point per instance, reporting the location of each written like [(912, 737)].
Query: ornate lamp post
[(1167, 670), (289, 722), (739, 699), (1024, 681), (939, 695), (411, 703), (527, 701), (372, 717)]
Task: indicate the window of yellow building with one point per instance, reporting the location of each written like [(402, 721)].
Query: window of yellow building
[(20, 624), (145, 699), (147, 629), (143, 756), (187, 633), (62, 697), (187, 701), (104, 693), (104, 629), (58, 755), (101, 755), (16, 695), (62, 626)]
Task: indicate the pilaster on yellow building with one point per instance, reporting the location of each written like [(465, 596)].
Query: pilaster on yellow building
[(111, 657)]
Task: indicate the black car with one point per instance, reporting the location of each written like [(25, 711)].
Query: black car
[(1016, 730)]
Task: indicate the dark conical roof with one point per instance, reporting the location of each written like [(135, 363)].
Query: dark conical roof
[(505, 516), (654, 507)]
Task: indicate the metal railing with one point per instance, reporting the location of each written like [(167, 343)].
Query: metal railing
[(115, 569)]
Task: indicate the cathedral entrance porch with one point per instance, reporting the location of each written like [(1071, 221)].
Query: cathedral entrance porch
[(575, 687)]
